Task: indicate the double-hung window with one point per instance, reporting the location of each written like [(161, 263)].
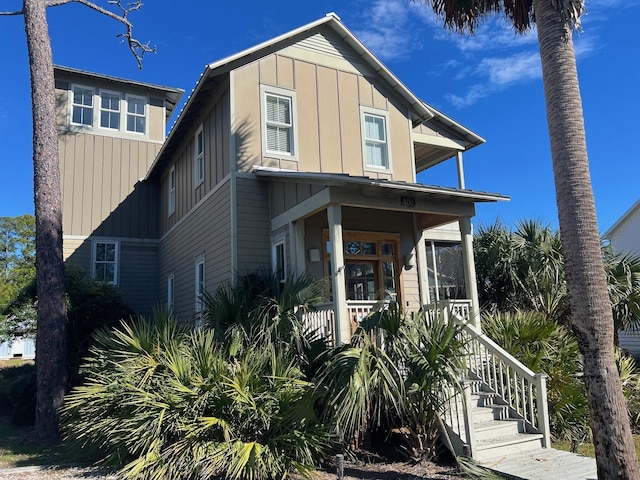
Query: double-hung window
[(199, 282), (279, 123), (279, 260), (170, 292), (110, 110), (375, 140), (198, 157), (172, 191), (105, 261), (136, 114), (82, 106)]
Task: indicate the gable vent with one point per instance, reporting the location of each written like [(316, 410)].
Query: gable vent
[(329, 44)]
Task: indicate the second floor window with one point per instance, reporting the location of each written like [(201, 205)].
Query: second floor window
[(199, 156), (375, 141), (82, 106), (110, 110), (136, 114), (279, 124)]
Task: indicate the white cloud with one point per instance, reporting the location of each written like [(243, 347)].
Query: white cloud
[(506, 71), (387, 34)]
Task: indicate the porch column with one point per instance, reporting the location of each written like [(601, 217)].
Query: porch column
[(460, 170), (421, 260), (342, 328), (470, 269), (299, 260)]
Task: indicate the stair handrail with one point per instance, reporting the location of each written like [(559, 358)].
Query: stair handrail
[(518, 391)]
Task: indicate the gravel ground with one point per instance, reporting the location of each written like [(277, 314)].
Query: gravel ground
[(53, 473), (352, 471)]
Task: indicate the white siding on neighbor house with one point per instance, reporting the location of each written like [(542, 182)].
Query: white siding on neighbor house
[(18, 348), (626, 237)]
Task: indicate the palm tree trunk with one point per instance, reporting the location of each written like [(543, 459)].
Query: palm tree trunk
[(590, 305), (51, 355)]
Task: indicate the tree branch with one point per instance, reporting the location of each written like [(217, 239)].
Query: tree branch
[(138, 49)]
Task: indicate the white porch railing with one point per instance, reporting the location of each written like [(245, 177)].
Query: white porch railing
[(523, 391), (518, 387), (322, 320)]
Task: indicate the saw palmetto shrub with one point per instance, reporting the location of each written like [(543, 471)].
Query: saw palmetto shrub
[(162, 401)]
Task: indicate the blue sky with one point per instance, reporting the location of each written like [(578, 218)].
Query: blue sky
[(490, 82)]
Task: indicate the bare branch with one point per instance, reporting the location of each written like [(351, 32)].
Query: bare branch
[(18, 12), (138, 49)]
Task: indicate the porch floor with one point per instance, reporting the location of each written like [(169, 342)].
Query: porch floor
[(544, 464)]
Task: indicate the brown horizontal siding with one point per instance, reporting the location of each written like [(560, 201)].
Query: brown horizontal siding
[(215, 122), (206, 231), (138, 278)]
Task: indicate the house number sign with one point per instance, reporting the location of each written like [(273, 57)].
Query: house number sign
[(408, 202)]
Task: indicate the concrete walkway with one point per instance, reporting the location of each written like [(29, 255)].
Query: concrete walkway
[(544, 464)]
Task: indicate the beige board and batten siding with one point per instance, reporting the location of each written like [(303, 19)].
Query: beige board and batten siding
[(329, 91), (215, 123), (253, 224), (99, 175), (206, 231)]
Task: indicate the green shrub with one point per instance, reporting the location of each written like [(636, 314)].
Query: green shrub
[(543, 345), (18, 393), (172, 403)]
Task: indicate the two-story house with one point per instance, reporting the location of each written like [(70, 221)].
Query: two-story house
[(300, 154), (281, 151)]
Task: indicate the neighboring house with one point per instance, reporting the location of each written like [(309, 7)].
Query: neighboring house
[(299, 154), (624, 236)]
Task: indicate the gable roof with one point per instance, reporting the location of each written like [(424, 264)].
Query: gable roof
[(419, 110), (621, 220)]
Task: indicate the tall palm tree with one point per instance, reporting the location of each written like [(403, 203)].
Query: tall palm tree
[(586, 281)]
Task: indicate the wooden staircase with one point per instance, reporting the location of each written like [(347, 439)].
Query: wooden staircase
[(500, 418)]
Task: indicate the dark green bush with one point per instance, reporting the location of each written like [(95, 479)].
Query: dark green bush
[(18, 393)]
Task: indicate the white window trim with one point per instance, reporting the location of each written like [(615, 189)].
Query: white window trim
[(171, 194), (126, 113), (376, 112), (198, 158), (171, 288), (198, 280), (279, 92), (97, 108), (116, 270), (100, 109), (276, 241), (72, 104)]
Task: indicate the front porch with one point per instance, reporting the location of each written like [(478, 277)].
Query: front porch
[(408, 243)]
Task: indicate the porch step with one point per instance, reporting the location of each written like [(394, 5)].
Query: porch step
[(497, 429), (487, 414), (544, 464), (507, 445)]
